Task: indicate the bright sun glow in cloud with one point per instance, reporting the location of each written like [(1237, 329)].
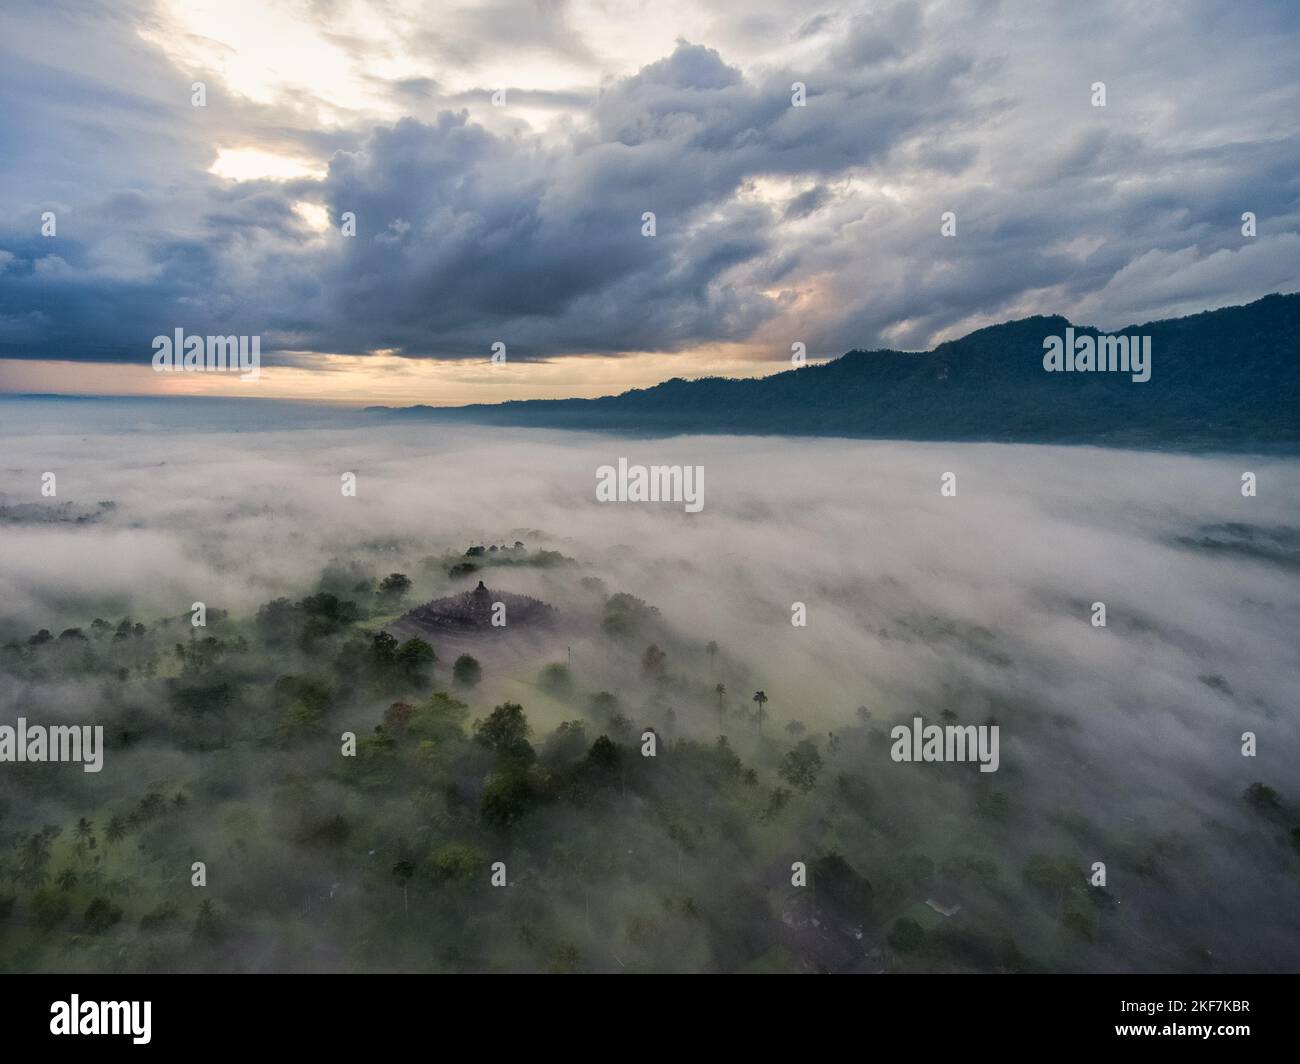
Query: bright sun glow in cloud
[(260, 50), (346, 56), (252, 164), (316, 216)]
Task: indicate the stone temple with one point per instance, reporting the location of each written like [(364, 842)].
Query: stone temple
[(471, 611)]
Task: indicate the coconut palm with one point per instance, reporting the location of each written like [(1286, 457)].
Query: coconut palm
[(33, 856), (67, 879), (720, 691), (84, 833), (404, 870), (761, 714), (712, 651)]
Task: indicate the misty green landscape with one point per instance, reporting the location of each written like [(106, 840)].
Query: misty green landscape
[(646, 768)]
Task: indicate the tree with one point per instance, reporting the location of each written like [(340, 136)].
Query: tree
[(626, 614), (467, 672), (567, 743), (404, 870), (761, 714), (393, 588), (397, 717), (712, 651), (278, 621), (457, 862), (505, 731), (101, 914), (325, 614), (906, 936), (776, 801), (1052, 875), (151, 805), (653, 660), (159, 917), (1081, 922), (507, 797), (802, 766), (84, 833), (207, 925), (720, 691), (555, 680), (383, 650), (413, 657), (1262, 796), (603, 704), (67, 880), (603, 761), (34, 857)]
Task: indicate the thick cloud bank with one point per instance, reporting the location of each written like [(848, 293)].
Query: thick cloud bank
[(775, 223)]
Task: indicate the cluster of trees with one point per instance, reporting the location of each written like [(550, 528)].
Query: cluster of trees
[(1266, 801), (384, 859), (478, 557)]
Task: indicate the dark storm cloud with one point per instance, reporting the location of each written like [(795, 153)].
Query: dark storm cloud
[(820, 222)]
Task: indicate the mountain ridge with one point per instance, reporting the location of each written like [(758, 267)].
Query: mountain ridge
[(1228, 377)]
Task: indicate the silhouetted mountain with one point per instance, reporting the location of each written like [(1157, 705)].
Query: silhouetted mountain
[(1223, 378)]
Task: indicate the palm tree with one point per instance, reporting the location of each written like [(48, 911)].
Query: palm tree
[(720, 691), (33, 856), (404, 870), (206, 926), (712, 651), (67, 879), (151, 805), (761, 715), (84, 833), (116, 830)]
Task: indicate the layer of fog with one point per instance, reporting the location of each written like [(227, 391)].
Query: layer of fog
[(915, 602)]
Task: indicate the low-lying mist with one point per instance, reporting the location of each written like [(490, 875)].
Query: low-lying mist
[(1120, 744)]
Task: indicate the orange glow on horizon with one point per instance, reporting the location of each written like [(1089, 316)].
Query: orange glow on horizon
[(384, 379)]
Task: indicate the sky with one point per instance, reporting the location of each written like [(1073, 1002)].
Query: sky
[(498, 161)]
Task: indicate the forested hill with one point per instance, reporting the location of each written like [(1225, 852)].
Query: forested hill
[(1227, 377)]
